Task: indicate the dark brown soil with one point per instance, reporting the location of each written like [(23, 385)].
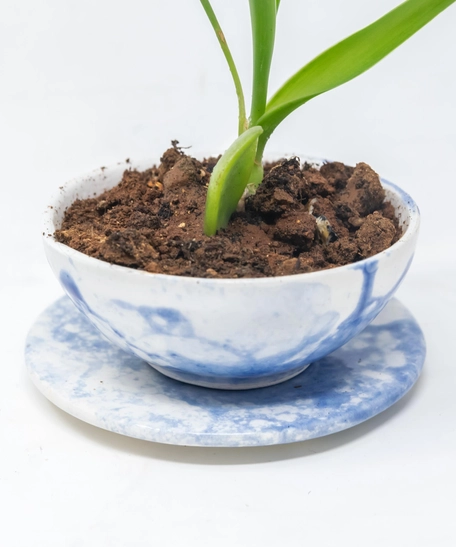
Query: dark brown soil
[(300, 220)]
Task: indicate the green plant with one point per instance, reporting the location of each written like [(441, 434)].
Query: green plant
[(240, 167)]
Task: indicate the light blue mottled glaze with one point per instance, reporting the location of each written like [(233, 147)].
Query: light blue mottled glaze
[(82, 373), (228, 333)]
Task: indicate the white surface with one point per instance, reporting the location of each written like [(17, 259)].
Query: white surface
[(64, 109)]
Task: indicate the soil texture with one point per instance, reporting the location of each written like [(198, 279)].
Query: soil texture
[(301, 219)]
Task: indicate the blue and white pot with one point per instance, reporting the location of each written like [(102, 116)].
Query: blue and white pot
[(227, 333)]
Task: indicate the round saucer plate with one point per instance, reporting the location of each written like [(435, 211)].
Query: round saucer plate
[(77, 369)]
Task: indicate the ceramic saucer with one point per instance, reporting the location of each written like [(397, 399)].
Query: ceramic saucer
[(77, 369)]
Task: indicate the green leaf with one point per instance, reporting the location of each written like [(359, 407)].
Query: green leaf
[(242, 123), (229, 180), (263, 15), (278, 4), (349, 59)]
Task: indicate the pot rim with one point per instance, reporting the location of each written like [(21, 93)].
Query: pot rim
[(56, 201)]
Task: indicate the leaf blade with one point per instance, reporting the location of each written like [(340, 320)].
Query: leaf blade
[(350, 58), (229, 179)]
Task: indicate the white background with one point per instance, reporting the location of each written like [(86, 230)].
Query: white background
[(85, 84)]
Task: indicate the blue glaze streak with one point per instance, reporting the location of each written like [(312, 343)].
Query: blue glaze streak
[(366, 310)]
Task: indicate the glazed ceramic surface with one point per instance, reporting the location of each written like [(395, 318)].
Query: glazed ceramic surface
[(227, 333), (84, 374)]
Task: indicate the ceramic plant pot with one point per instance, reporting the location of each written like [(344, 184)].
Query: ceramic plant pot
[(227, 333)]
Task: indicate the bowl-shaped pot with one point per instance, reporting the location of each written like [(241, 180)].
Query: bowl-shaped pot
[(227, 333)]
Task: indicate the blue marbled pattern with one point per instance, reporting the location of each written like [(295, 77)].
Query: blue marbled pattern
[(84, 374), (242, 368)]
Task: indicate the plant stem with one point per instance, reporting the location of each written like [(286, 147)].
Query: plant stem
[(256, 177), (243, 123)]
